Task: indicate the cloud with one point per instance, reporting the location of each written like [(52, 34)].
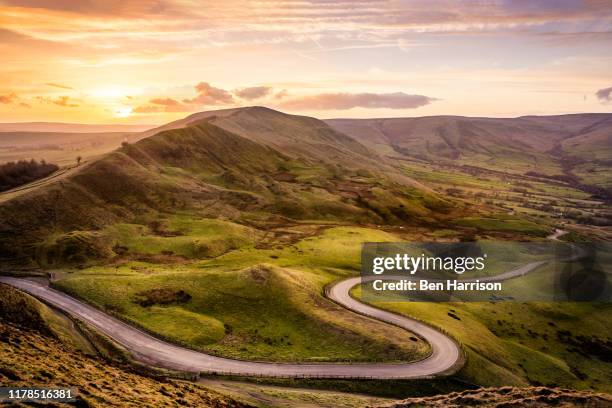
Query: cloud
[(281, 94), (206, 95), (64, 101), (604, 94), (55, 85), (209, 95), (13, 98), (163, 105), (148, 109), (254, 92), (8, 98), (328, 101), (130, 8)]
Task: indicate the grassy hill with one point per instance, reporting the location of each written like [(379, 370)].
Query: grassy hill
[(152, 217), (548, 145), (212, 171), (548, 167), (220, 232)]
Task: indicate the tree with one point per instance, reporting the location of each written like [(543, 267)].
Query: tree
[(13, 174)]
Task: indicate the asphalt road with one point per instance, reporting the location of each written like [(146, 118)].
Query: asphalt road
[(446, 353)]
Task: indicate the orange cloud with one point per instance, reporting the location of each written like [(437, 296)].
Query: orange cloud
[(254, 92), (53, 84), (209, 95), (163, 105), (9, 98), (64, 101), (341, 101)]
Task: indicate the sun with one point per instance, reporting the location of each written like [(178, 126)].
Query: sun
[(123, 112)]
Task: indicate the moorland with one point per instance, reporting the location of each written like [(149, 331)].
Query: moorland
[(221, 231)]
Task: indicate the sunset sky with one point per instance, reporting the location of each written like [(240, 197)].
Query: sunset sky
[(138, 61)]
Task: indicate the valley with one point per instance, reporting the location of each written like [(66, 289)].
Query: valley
[(221, 232)]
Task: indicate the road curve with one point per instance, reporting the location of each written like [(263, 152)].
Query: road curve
[(446, 353)]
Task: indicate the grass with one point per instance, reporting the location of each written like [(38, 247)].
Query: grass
[(504, 223), (29, 359), (512, 343), (24, 310), (182, 235), (254, 303)]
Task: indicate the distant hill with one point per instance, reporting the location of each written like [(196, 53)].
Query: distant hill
[(297, 136), (549, 145), (61, 148), (70, 127)]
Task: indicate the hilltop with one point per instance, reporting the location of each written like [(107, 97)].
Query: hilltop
[(270, 167)]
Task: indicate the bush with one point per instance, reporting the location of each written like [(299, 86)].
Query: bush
[(14, 174)]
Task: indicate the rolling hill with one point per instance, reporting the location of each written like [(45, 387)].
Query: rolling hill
[(273, 170), (547, 145)]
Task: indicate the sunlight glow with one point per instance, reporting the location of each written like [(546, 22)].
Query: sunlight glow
[(123, 112)]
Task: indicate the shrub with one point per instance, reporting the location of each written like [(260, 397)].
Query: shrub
[(14, 174)]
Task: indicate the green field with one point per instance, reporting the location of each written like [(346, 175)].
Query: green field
[(251, 303), (513, 343)]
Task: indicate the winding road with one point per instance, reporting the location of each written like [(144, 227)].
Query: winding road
[(446, 353), (446, 356)]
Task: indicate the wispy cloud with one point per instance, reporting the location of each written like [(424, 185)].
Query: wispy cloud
[(8, 98), (605, 94), (156, 105), (55, 85), (342, 101), (64, 101)]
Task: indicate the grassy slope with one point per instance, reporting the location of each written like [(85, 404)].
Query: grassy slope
[(510, 396), (511, 343), (262, 303), (515, 145), (31, 359), (210, 171)]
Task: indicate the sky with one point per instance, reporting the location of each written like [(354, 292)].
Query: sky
[(140, 61)]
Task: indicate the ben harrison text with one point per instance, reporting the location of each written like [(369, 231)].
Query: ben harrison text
[(423, 285)]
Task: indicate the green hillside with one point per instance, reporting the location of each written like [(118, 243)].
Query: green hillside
[(213, 172)]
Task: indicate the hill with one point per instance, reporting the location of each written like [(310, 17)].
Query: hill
[(264, 177), (59, 127), (296, 136), (61, 148), (547, 145)]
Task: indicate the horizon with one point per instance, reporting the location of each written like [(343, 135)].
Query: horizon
[(153, 125), (141, 62)]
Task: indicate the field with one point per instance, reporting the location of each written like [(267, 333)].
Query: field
[(513, 343), (516, 199), (248, 303)]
